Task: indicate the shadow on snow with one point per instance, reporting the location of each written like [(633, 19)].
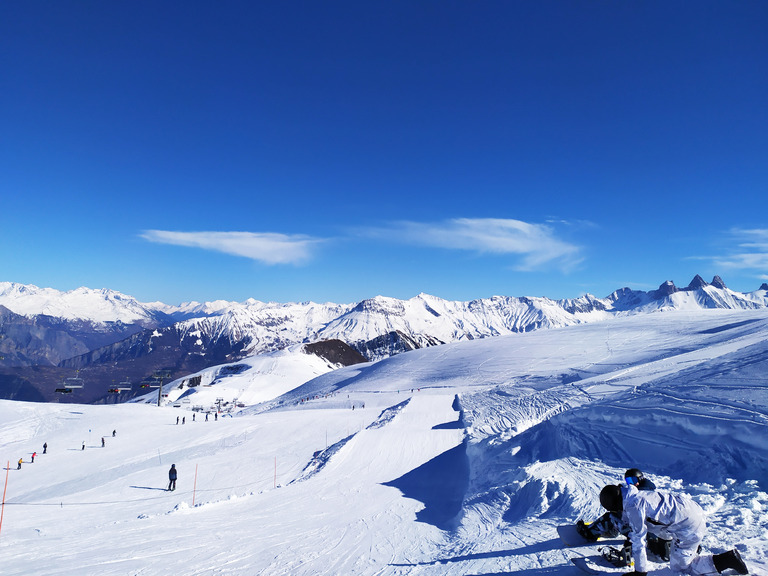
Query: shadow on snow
[(440, 485), (535, 549)]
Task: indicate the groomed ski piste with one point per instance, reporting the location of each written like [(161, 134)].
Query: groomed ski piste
[(460, 459)]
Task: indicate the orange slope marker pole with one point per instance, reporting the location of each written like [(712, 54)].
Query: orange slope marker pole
[(2, 509)]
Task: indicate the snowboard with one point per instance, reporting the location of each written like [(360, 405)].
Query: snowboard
[(594, 564), (571, 537), (597, 565)]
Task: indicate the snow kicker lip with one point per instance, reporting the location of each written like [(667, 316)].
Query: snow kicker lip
[(322, 457), (387, 415)]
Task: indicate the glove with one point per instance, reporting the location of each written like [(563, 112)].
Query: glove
[(635, 574)]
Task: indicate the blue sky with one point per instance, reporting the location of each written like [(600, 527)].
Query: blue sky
[(333, 151)]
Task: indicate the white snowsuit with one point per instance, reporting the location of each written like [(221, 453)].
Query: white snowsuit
[(679, 516)]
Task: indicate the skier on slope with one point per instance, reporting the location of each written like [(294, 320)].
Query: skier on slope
[(682, 518), (172, 477)]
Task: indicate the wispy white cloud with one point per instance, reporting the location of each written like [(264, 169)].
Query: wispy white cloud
[(580, 224), (268, 248), (537, 245), (749, 252)]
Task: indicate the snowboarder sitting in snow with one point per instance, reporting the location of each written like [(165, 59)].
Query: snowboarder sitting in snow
[(172, 477), (682, 518), (610, 525)]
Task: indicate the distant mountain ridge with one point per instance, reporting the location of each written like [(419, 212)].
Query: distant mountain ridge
[(87, 329)]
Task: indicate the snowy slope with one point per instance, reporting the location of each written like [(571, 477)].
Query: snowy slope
[(458, 459), (253, 380)]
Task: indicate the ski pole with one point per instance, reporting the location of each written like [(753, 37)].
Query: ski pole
[(194, 488)]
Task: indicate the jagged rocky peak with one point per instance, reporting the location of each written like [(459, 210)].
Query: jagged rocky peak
[(667, 288), (717, 282), (697, 283), (764, 286)]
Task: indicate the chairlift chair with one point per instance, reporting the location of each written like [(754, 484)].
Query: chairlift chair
[(74, 382)]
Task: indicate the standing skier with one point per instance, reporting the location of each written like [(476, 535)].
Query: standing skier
[(172, 477), (683, 520), (45, 447), (19, 466)]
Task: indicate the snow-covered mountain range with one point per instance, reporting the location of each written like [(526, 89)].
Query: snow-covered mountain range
[(423, 320), (84, 328)]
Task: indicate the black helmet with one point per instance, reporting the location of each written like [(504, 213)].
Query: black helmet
[(610, 498), (633, 476)]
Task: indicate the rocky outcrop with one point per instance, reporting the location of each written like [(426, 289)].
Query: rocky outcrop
[(335, 352)]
